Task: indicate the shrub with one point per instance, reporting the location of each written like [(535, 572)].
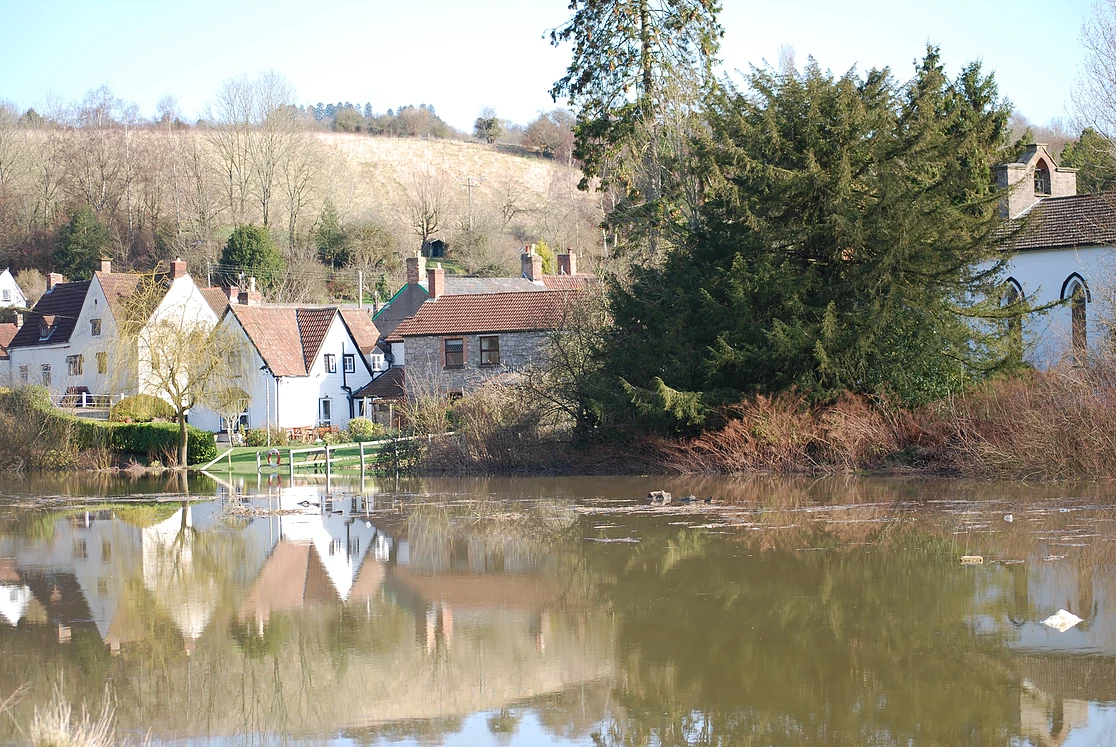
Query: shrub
[(141, 408), (363, 429), (257, 437)]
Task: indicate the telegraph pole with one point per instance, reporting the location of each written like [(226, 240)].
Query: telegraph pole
[(470, 182)]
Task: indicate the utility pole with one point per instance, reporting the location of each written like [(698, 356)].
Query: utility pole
[(470, 182)]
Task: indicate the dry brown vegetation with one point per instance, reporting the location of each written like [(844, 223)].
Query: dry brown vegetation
[(1058, 424)]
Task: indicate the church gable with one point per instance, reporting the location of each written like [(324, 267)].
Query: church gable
[(1034, 177)]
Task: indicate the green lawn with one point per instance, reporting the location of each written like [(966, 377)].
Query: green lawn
[(243, 458)]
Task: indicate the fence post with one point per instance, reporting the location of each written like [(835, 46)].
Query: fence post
[(362, 458), (290, 463), (327, 462), (257, 461)]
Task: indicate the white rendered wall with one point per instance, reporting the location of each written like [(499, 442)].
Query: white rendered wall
[(1042, 275), (15, 293)]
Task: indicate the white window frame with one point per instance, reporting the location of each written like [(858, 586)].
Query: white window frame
[(330, 363), (325, 412), (348, 361), (44, 372), (75, 365)]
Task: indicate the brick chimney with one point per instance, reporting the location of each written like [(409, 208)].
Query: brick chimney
[(54, 279), (18, 320), (106, 265), (416, 269), (234, 294), (436, 281), (250, 297), (567, 263), (178, 269), (531, 265)]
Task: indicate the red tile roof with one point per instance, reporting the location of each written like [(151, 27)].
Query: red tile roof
[(1079, 220), (569, 282), (120, 286), (363, 329), (7, 332), (391, 384), (217, 298), (274, 333), (496, 312), (313, 326), (287, 338), (63, 304)]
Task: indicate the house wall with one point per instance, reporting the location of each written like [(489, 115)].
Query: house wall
[(1042, 275), (14, 292), (293, 401), (425, 359), (404, 305)]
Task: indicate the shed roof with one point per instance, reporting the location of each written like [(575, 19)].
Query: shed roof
[(391, 384)]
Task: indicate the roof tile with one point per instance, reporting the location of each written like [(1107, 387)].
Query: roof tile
[(363, 329), (391, 384), (495, 312), (63, 302), (1079, 220)]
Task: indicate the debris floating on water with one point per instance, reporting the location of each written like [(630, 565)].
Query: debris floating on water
[(1062, 621), (972, 560), (1009, 518), (658, 498)]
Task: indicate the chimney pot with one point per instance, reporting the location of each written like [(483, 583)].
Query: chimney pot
[(436, 281), (106, 265), (54, 279), (178, 269), (416, 269)]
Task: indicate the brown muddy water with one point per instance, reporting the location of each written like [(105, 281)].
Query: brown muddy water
[(562, 611)]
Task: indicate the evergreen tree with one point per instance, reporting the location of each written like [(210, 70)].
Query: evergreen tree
[(383, 292), (368, 110), (81, 243), (487, 127), (330, 239), (850, 239), (1092, 155), (250, 252)]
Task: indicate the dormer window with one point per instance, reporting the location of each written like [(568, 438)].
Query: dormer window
[(1042, 179), (46, 326)]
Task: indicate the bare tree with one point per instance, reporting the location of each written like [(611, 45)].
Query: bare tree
[(11, 145), (425, 202), (231, 138), (300, 171), (1095, 94), (175, 353)]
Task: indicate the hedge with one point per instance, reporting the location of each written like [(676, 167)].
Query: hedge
[(147, 439), (141, 408)]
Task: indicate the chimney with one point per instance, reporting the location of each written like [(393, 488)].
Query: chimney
[(531, 264), (106, 265), (249, 297), (178, 269), (416, 269), (436, 281), (18, 320), (54, 279), (567, 263)]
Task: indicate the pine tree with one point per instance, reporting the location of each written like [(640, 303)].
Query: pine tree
[(249, 253), (81, 242), (330, 239), (1093, 157)]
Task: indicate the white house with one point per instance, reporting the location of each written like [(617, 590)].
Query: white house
[(304, 363), (11, 295), (67, 342), (1062, 252)]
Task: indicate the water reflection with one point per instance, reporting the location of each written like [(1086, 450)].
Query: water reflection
[(559, 611)]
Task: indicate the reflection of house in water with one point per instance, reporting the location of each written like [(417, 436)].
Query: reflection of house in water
[(1065, 675)]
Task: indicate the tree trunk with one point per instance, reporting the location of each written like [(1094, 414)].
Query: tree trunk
[(182, 436)]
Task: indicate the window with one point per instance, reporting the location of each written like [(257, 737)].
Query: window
[(23, 374), (106, 551), (325, 411), (7, 295), (102, 363), (46, 374), (350, 363), (1077, 321), (360, 407), (490, 351), (44, 330), (95, 327), (377, 362), (1042, 179), (455, 352), (330, 363), (74, 364), (81, 549), (1012, 298)]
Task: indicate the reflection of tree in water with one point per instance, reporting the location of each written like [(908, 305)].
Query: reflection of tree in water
[(728, 643), (257, 639), (503, 724)]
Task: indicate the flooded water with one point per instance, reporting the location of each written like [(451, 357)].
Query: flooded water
[(562, 611)]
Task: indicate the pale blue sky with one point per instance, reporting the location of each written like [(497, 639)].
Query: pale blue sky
[(463, 55)]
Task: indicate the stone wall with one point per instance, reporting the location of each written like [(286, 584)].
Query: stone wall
[(425, 359)]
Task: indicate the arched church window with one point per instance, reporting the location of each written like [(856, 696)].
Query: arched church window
[(1011, 300), (1042, 178), (1077, 320)]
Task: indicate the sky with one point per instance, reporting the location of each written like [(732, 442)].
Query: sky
[(462, 56)]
